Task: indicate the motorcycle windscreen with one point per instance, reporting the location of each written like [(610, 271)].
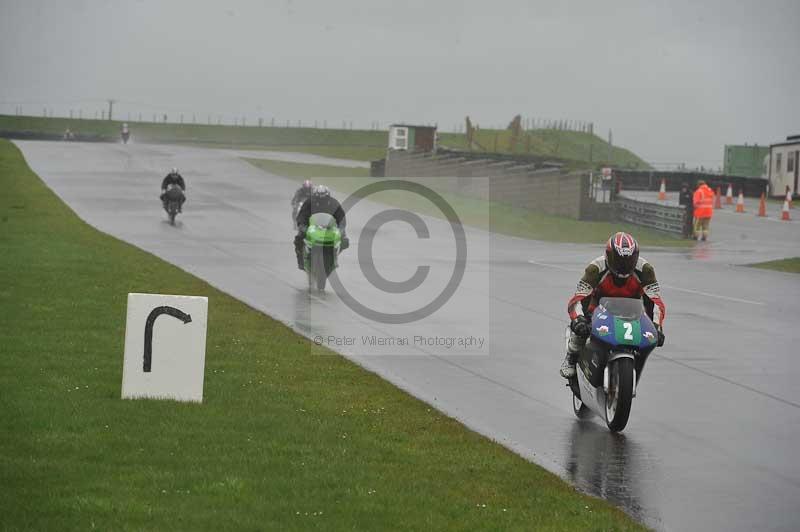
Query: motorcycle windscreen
[(323, 219), (622, 307)]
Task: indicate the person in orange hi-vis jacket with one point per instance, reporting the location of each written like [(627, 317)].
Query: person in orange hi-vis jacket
[(703, 201)]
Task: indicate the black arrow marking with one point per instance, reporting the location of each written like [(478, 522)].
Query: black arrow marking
[(148, 330)]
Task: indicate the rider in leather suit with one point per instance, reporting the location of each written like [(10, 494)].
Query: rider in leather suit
[(618, 273)]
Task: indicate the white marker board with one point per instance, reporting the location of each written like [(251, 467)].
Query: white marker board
[(165, 347)]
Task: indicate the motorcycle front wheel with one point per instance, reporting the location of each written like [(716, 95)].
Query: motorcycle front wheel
[(620, 394), (318, 267), (580, 409)]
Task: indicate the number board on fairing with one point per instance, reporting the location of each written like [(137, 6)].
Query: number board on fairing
[(627, 332)]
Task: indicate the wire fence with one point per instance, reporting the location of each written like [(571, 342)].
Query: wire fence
[(125, 113)]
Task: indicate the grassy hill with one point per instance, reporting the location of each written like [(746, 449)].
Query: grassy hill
[(569, 145), (581, 148)]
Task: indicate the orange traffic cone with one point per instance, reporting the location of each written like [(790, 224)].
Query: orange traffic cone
[(785, 212), (718, 199), (662, 193), (740, 202), (762, 206), (729, 195)]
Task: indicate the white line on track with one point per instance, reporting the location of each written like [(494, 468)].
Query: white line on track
[(716, 296), (671, 287)]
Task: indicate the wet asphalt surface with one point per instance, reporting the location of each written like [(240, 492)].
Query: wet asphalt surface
[(714, 430)]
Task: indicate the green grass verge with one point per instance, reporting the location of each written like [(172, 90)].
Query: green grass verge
[(791, 265), (290, 437), (361, 145), (496, 217)]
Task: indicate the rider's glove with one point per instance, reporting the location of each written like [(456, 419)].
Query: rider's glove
[(660, 336), (580, 326), (345, 243)]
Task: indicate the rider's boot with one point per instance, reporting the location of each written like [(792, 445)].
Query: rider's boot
[(568, 366)]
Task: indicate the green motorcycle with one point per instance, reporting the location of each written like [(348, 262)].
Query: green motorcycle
[(323, 242)]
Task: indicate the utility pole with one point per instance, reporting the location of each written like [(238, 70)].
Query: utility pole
[(610, 141), (110, 108)]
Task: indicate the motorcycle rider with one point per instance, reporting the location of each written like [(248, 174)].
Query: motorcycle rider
[(319, 201), (618, 273), (303, 193), (176, 179)]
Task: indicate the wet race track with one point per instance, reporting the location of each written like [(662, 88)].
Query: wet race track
[(711, 444)]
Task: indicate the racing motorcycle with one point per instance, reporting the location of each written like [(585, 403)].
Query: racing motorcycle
[(610, 365), (323, 242), (172, 199)]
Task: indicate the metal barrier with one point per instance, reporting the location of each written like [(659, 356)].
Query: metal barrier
[(670, 219), (651, 180)]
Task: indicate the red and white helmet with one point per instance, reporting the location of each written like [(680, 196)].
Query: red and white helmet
[(622, 254)]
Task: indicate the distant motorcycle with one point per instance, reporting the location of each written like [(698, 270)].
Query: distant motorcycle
[(173, 198), (321, 249), (610, 366)]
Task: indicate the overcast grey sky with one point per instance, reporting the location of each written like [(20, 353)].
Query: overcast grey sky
[(675, 81)]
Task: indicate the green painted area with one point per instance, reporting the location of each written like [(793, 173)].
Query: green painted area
[(492, 216), (791, 265), (744, 161), (290, 435)]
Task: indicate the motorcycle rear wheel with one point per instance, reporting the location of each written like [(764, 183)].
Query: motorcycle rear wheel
[(620, 394)]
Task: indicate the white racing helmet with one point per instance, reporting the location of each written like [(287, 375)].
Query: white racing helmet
[(321, 191)]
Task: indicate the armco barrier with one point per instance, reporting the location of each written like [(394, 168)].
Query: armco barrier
[(665, 218)]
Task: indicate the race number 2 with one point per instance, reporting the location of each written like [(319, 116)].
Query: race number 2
[(628, 330)]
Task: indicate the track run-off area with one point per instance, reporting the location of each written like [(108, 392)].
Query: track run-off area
[(712, 439)]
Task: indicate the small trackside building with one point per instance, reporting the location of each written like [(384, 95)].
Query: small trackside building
[(784, 166), (745, 160), (408, 137)]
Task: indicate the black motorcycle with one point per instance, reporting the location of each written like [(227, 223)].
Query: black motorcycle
[(173, 198)]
